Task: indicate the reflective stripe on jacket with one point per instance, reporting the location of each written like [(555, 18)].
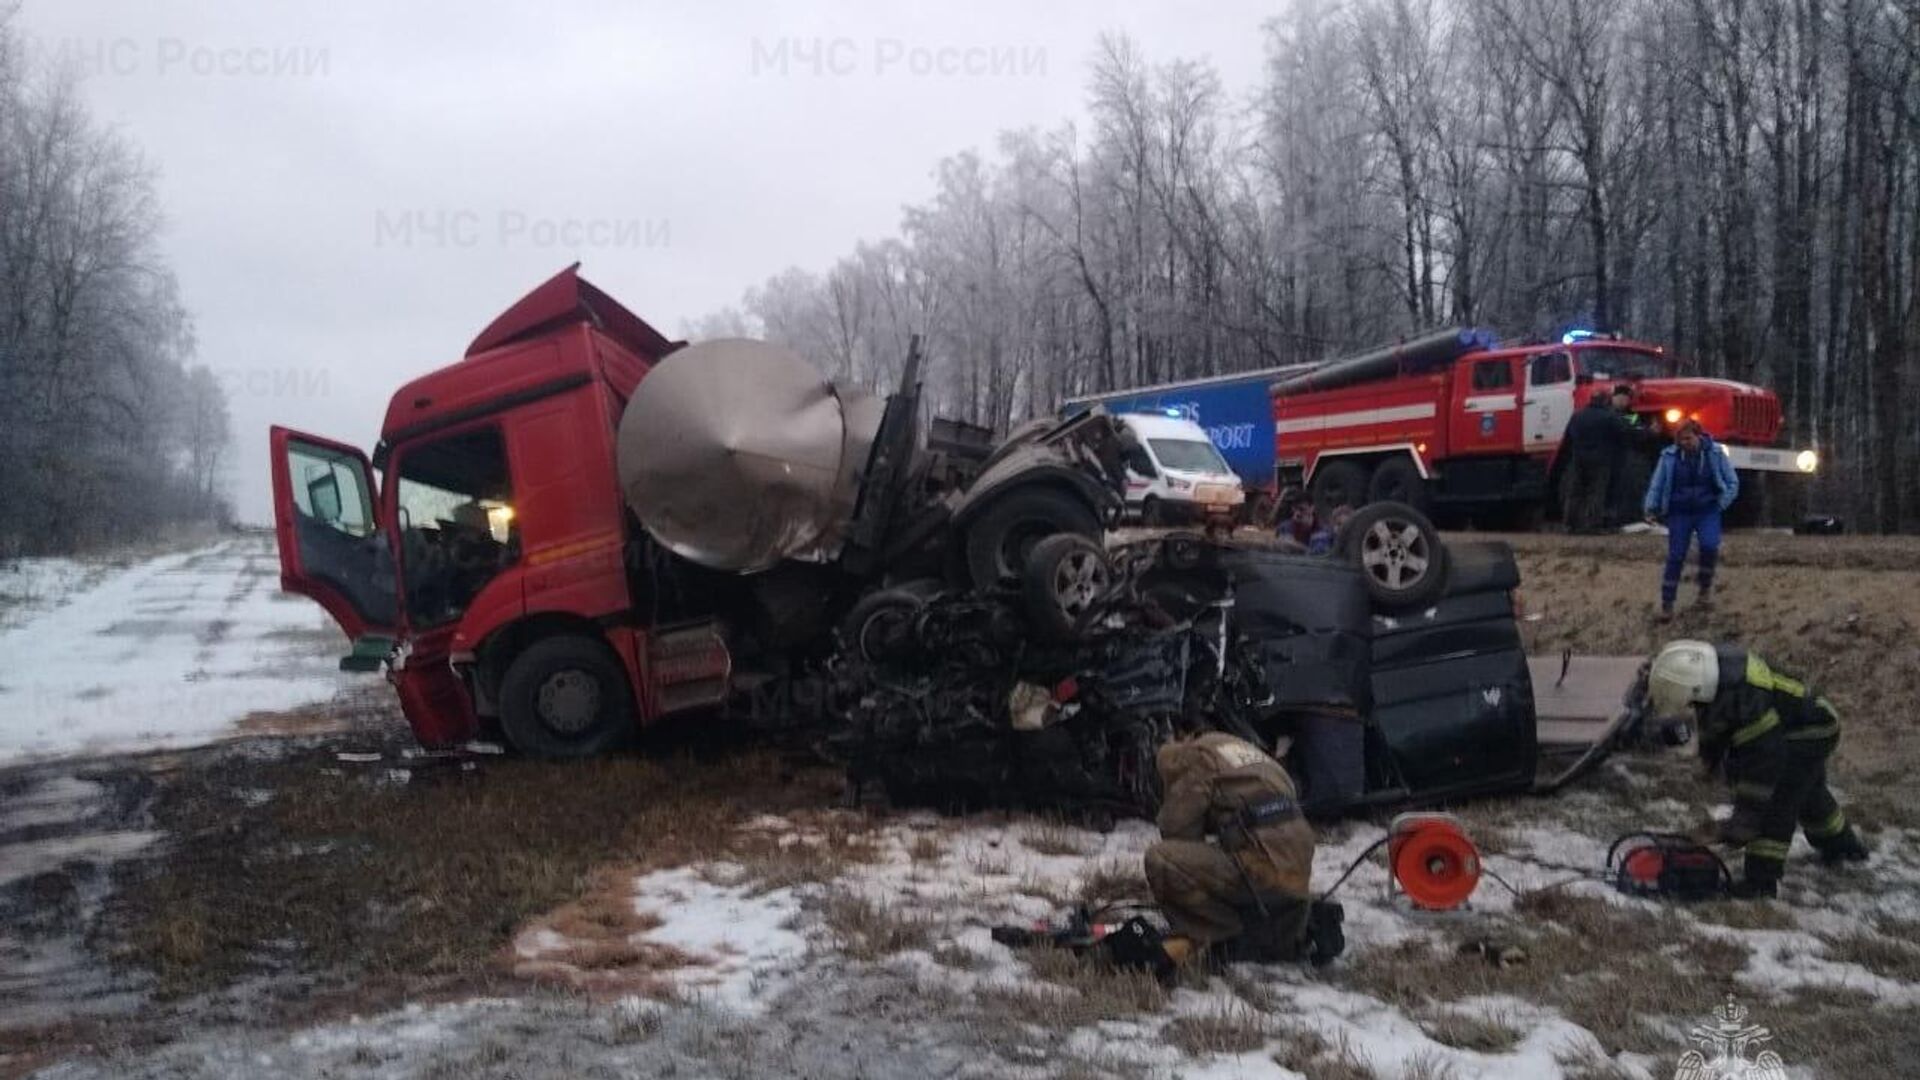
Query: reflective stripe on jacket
[(1755, 701)]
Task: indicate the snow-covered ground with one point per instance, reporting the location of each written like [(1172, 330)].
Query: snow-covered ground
[(173, 651)]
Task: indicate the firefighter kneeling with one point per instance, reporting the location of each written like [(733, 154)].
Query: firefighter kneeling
[(1774, 735), (1243, 896)]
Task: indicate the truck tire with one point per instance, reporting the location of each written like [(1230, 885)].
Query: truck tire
[(1399, 553), (871, 630), (566, 697), (1339, 483), (1000, 539), (1065, 583), (1398, 479)]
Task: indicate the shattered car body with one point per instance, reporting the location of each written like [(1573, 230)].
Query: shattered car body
[(960, 699)]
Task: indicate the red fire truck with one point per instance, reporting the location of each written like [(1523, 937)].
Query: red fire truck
[(1454, 420)]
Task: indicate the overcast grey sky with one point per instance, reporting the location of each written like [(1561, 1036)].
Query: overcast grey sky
[(354, 189)]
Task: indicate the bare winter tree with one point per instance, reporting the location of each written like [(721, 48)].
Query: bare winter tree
[(1738, 179), (106, 435)]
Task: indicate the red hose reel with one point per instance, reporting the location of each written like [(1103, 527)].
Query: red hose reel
[(1432, 861)]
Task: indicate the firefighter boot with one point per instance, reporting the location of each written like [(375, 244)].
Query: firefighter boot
[(1325, 940), (1845, 848), (1704, 601)]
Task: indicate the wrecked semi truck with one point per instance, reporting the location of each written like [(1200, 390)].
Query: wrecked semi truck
[(553, 555), (582, 527)]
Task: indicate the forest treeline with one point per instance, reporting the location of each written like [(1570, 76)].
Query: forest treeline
[(1738, 180), (107, 432)]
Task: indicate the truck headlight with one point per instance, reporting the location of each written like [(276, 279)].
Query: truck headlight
[(1807, 461), (1673, 416)]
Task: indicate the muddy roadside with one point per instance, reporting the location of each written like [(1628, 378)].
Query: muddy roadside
[(330, 871), (289, 879)]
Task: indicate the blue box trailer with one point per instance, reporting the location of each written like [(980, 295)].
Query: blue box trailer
[(1236, 410)]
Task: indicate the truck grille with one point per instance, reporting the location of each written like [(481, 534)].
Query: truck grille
[(1755, 416)]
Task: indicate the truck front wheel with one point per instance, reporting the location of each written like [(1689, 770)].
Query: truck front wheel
[(565, 697), (1339, 483), (1398, 480), (1000, 539)]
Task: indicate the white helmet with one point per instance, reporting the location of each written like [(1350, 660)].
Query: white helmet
[(1684, 673)]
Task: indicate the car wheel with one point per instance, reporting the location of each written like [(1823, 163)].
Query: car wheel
[(1339, 483), (1000, 539), (1399, 553), (566, 697), (1067, 579), (1398, 480), (874, 629)]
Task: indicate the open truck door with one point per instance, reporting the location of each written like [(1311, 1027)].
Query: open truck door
[(332, 546)]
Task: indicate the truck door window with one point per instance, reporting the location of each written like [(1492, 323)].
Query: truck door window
[(1551, 368), (457, 529), (333, 525), (1140, 463), (1492, 375)]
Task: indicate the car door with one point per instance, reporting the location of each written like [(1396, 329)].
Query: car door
[(333, 546), (1549, 400)]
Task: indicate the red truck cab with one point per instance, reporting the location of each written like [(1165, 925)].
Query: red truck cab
[(481, 553)]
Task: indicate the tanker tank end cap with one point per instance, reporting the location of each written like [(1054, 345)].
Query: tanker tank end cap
[(732, 455)]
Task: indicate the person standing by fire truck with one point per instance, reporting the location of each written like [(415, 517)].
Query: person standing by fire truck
[(1692, 486), (1595, 438)]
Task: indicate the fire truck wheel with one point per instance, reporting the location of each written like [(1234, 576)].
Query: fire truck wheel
[(1398, 480), (565, 697), (1067, 580), (1339, 483), (1002, 537), (1399, 553), (873, 629)]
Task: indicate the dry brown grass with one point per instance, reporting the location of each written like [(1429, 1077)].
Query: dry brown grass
[(1884, 956), (867, 929), (1112, 881), (1741, 915), (817, 848), (1428, 1065), (1575, 944), (1225, 1028), (926, 848), (1308, 1053), (415, 883), (1483, 1033), (1053, 838), (1073, 992)]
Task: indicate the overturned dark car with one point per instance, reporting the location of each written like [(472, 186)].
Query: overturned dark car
[(1057, 693)]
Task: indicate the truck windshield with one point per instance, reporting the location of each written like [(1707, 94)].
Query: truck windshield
[(1606, 363), (457, 529), (1188, 455)]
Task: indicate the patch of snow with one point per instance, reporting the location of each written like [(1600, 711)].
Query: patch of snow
[(30, 586), (738, 940), (167, 653), (31, 858)]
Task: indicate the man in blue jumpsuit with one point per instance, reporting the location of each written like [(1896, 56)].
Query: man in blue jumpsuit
[(1693, 484)]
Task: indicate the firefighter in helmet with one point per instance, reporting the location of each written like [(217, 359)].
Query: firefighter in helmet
[(1774, 734), (1232, 867)]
